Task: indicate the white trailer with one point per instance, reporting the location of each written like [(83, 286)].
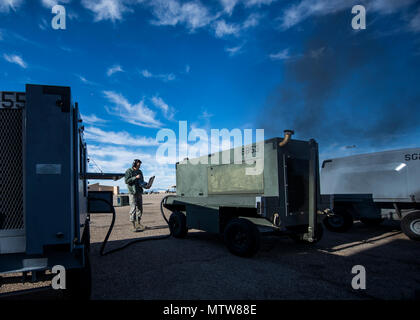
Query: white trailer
[(372, 187)]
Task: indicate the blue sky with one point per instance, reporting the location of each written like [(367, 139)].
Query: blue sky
[(136, 67)]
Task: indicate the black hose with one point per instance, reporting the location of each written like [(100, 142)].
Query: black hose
[(102, 253), (161, 208)]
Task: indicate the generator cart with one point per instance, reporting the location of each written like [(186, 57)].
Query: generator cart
[(274, 188)]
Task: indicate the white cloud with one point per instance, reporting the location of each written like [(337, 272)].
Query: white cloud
[(93, 120), (146, 74), (414, 24), (234, 50), (221, 29), (299, 12), (162, 105), (84, 80), (158, 102), (281, 55), (388, 6), (187, 68), (118, 159), (164, 76), (66, 49), (7, 5), (252, 21), (138, 114), (108, 9), (205, 115), (13, 58), (296, 13), (113, 70), (194, 15), (228, 5), (52, 3), (258, 3), (115, 159), (118, 138), (43, 25), (172, 12)]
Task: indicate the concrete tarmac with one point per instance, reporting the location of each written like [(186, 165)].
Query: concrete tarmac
[(200, 266)]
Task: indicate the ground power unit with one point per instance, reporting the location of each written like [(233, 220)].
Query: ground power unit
[(44, 219), (242, 201)]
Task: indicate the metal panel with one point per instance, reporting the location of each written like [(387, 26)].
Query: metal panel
[(49, 193), (191, 180), (11, 169), (232, 178), (384, 175)]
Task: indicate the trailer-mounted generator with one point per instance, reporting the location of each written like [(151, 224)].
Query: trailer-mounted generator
[(44, 219), (372, 187), (222, 198)]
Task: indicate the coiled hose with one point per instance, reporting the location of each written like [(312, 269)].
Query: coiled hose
[(102, 253)]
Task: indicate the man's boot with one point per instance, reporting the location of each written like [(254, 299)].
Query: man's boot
[(134, 226), (140, 227)]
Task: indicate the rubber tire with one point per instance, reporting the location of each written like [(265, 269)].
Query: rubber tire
[(250, 233), (79, 282), (405, 225), (298, 237), (178, 225), (347, 221), (371, 222)]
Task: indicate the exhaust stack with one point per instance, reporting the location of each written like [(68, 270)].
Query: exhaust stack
[(287, 136)]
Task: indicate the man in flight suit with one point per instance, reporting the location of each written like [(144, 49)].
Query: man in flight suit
[(135, 183)]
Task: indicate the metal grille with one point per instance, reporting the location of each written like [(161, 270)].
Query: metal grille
[(11, 169)]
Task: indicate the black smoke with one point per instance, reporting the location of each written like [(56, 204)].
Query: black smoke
[(347, 86)]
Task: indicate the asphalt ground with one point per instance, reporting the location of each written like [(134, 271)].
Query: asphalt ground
[(200, 266)]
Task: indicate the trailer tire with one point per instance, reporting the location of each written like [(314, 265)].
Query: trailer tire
[(410, 225), (371, 222), (341, 221), (79, 282), (242, 237), (178, 225)]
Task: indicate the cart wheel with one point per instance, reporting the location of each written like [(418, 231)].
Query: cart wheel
[(298, 237), (371, 222), (341, 221), (242, 237), (79, 282), (410, 225), (178, 225)]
